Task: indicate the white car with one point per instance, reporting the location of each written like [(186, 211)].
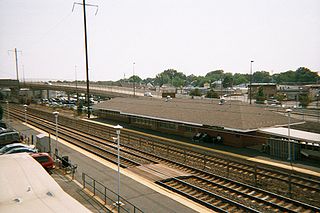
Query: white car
[(9, 147), (148, 94)]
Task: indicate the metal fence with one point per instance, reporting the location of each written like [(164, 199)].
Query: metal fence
[(109, 197)]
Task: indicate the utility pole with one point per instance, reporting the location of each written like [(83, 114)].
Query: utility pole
[(75, 72), (250, 81), (17, 64), (86, 47), (23, 76)]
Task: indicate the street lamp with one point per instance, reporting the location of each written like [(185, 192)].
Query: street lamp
[(8, 113), (56, 118), (118, 128), (250, 80), (25, 113), (134, 82), (289, 145), (318, 106)]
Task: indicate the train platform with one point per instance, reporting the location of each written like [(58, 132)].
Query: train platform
[(75, 190), (248, 154), (140, 190)]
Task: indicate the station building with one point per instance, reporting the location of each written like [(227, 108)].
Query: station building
[(236, 122)]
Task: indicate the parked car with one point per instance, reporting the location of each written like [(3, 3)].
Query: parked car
[(148, 94), (8, 147), (21, 149), (44, 159), (8, 136)]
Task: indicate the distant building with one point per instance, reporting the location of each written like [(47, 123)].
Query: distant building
[(291, 92), (269, 89)]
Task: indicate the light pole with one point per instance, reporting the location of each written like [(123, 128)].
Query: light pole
[(134, 82), (118, 128), (8, 113), (318, 106), (25, 113), (56, 118), (250, 80), (289, 143)]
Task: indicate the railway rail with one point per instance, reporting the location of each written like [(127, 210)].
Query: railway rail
[(96, 146), (258, 200), (153, 152)]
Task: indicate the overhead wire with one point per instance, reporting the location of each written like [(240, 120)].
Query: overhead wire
[(44, 35)]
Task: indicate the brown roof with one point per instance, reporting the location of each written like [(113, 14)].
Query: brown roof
[(233, 115)]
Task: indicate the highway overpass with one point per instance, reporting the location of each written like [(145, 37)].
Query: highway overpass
[(99, 90)]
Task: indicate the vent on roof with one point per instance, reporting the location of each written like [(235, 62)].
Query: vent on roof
[(17, 200), (50, 194)]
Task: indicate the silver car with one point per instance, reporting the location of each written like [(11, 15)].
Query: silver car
[(8, 147)]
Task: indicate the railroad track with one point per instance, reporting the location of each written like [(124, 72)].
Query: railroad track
[(259, 200), (197, 172), (97, 146), (204, 197)]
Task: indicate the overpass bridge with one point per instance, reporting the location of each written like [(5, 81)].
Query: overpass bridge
[(95, 89)]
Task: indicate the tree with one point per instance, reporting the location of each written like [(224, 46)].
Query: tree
[(227, 80), (215, 75), (260, 97), (135, 79), (148, 80), (178, 82), (212, 94), (195, 92), (191, 80), (304, 100), (280, 97), (305, 75), (201, 81), (261, 77), (168, 76), (241, 78), (301, 75)]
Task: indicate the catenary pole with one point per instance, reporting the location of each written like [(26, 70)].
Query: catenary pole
[(86, 52)]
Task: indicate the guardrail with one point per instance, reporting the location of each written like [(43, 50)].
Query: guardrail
[(109, 197)]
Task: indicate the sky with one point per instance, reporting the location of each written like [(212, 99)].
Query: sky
[(148, 36)]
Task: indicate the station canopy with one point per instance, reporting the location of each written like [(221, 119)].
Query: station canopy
[(301, 136)]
